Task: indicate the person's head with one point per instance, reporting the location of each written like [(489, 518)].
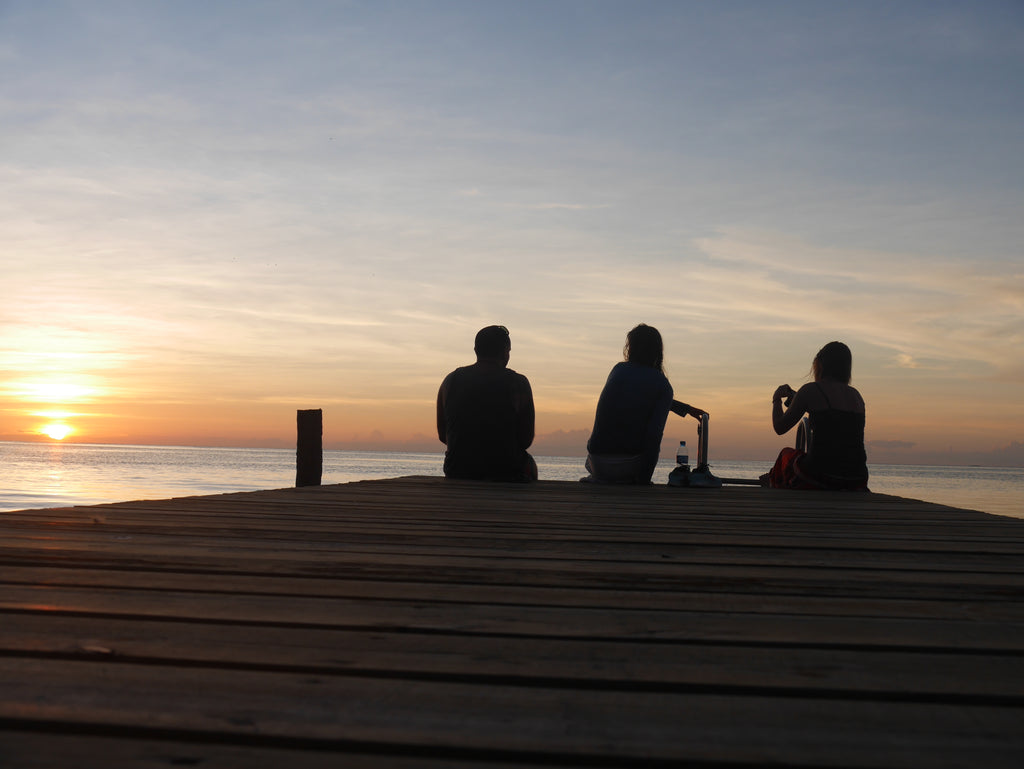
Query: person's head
[(643, 346), (833, 361), (492, 343)]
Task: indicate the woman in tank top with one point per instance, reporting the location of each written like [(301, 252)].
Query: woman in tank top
[(835, 456)]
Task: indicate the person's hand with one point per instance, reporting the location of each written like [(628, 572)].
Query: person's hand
[(696, 413), (783, 391)]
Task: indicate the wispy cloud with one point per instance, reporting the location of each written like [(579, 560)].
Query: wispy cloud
[(567, 206), (906, 361), (919, 307)]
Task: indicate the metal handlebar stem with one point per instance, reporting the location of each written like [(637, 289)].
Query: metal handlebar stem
[(702, 442)]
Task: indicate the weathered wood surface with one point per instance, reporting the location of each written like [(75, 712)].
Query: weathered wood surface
[(417, 623)]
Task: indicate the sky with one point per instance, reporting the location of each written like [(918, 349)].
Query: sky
[(217, 213)]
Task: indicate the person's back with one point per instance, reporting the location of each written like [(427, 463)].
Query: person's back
[(631, 411), (482, 421), (837, 457), (485, 416)]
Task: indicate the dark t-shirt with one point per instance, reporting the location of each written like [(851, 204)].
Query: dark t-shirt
[(486, 412), (631, 413)]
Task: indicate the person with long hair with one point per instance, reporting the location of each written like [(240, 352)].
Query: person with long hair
[(834, 456), (631, 413)]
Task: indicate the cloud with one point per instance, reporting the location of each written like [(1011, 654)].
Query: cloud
[(1013, 454), (920, 307), (561, 443), (890, 445), (567, 206)]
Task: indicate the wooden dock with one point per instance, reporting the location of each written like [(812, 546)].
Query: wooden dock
[(419, 623)]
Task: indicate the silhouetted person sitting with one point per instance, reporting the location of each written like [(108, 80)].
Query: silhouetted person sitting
[(835, 456), (485, 415), (631, 413)]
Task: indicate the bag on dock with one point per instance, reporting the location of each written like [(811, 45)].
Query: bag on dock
[(783, 474)]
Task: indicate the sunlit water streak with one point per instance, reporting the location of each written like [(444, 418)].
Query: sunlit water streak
[(35, 475)]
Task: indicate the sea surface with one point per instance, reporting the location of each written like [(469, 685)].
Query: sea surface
[(38, 475)]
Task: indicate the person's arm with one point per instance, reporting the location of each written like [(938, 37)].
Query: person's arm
[(525, 413), (684, 409), (784, 419)]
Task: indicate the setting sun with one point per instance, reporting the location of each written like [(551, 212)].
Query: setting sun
[(57, 430)]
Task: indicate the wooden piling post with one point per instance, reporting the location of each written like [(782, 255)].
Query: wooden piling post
[(309, 449)]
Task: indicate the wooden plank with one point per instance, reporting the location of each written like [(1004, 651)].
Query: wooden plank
[(874, 516), (453, 513), (665, 575), (724, 593), (497, 544), (566, 622), (958, 675), (163, 749), (435, 718)]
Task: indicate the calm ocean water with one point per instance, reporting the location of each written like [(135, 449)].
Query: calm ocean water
[(34, 475)]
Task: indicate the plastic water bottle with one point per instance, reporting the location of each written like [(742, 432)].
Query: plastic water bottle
[(682, 455)]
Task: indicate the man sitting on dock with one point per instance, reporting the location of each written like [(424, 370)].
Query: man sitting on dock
[(485, 415)]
